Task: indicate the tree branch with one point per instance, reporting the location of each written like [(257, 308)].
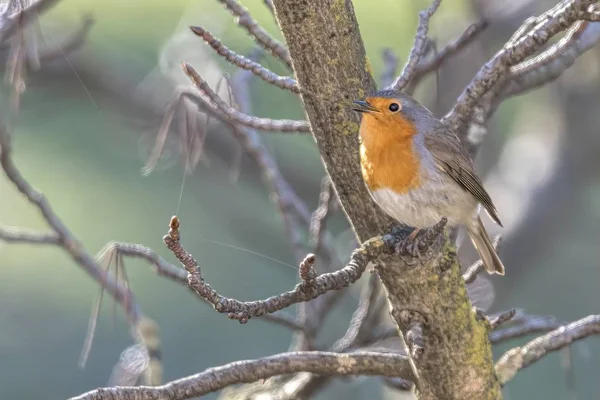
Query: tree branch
[(551, 68), (13, 234), (261, 36), (418, 48), (64, 236), (471, 275), (520, 357), (310, 288), (524, 324), (390, 65), (240, 61), (319, 217), (213, 379), (514, 52)]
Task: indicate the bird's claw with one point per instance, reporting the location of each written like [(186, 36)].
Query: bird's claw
[(410, 245), (420, 240)]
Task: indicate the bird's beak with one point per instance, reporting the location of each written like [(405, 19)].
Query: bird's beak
[(364, 107)]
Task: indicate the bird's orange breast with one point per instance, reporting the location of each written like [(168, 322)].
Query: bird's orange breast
[(387, 156)]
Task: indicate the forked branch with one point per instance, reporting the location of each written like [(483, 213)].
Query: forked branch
[(311, 286)]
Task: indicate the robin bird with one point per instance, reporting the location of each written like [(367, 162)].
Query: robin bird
[(417, 170)]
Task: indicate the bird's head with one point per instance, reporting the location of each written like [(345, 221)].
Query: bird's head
[(390, 114)]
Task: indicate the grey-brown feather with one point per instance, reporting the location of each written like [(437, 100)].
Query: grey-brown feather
[(451, 157)]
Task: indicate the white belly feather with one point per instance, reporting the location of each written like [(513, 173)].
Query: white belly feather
[(426, 205)]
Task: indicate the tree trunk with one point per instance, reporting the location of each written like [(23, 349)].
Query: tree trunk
[(454, 360)]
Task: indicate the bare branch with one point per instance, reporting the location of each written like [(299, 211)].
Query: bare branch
[(551, 53), (304, 291), (261, 36), (270, 6), (65, 238), (264, 124), (452, 48), (523, 325), (520, 357), (414, 339), (397, 383), (502, 318), (161, 266), (306, 270), (240, 61), (418, 49), (13, 234), (390, 65), (319, 217), (213, 379), (551, 68), (496, 70), (471, 275), (356, 327)]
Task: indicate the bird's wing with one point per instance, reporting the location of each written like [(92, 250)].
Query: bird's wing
[(452, 158)]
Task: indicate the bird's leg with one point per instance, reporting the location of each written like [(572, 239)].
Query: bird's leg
[(409, 245), (413, 235)]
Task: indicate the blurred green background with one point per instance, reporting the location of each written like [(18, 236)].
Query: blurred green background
[(81, 138)]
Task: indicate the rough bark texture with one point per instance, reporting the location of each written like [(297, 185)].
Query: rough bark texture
[(454, 359)]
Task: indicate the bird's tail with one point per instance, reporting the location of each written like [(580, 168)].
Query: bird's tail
[(483, 244)]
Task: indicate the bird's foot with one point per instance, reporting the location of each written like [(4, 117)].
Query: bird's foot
[(419, 240), (410, 245)]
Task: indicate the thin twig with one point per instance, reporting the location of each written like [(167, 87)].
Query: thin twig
[(553, 68), (397, 383), (283, 82), (551, 53), (471, 275), (262, 37), (13, 234), (390, 66), (414, 339), (433, 64), (270, 6), (248, 371), (502, 318), (520, 357), (418, 48), (319, 217), (265, 124), (523, 325), (356, 327)]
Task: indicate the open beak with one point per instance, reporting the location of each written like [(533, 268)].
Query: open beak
[(364, 107)]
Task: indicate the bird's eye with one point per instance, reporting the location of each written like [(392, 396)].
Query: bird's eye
[(394, 107)]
